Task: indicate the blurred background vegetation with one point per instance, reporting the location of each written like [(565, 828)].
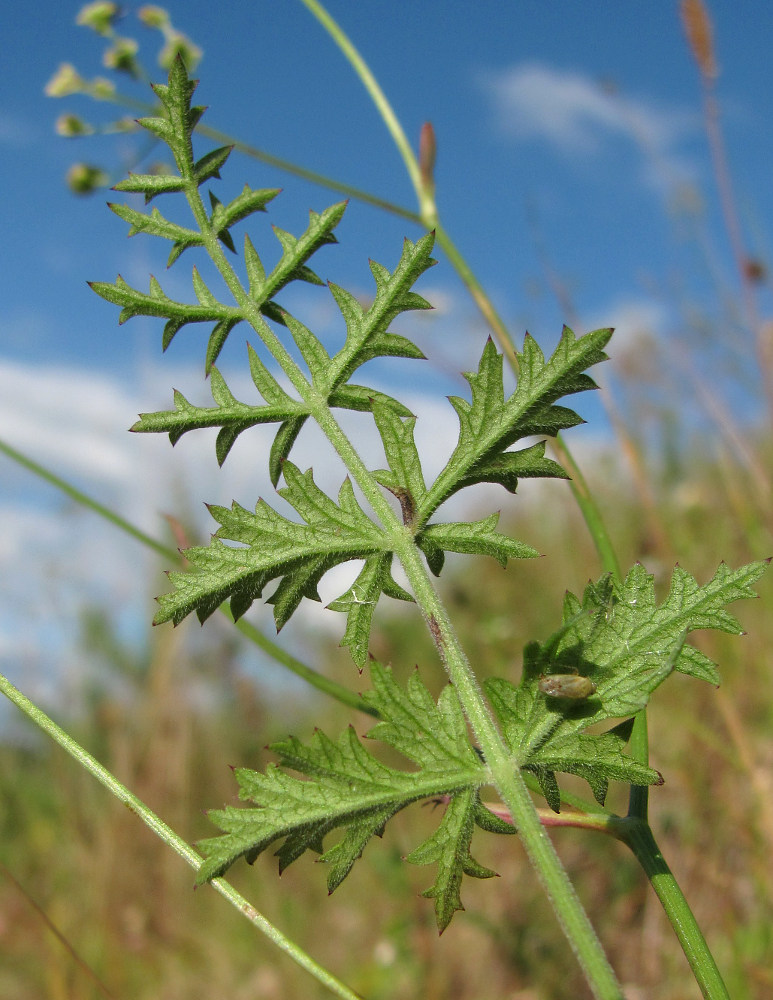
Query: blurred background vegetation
[(126, 904), (86, 891)]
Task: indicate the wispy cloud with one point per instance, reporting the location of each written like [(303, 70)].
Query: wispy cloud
[(637, 322), (577, 115), (57, 559)]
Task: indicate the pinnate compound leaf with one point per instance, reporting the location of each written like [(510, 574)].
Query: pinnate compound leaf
[(489, 424), (157, 303), (272, 547), (230, 415), (473, 538), (344, 787), (176, 129), (154, 224), (367, 330), (359, 602), (626, 644)]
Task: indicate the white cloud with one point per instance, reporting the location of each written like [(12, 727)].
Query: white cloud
[(70, 418), (56, 557), (636, 321), (577, 116)]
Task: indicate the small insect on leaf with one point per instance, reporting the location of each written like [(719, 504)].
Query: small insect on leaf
[(566, 686)]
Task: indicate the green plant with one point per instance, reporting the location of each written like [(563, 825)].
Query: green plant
[(616, 636)]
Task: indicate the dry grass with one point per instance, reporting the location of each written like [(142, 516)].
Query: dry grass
[(126, 905)]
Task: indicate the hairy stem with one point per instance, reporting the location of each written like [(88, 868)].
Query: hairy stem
[(169, 837), (511, 786)]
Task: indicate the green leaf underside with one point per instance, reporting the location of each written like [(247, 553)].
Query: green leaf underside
[(272, 547), (488, 426), (609, 635), (626, 644), (359, 603), (218, 573), (346, 788), (489, 423), (268, 547)]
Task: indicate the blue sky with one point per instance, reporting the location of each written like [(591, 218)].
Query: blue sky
[(570, 142)]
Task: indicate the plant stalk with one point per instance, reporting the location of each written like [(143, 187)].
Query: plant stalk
[(511, 786), (638, 836), (169, 837), (271, 648)]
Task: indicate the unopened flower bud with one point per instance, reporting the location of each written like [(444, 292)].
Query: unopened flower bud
[(98, 16), (102, 89), (67, 80), (121, 56), (84, 178), (71, 126), (153, 17), (427, 155)]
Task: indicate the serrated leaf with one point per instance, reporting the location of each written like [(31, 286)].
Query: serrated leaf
[(297, 250), (217, 341), (151, 185), (449, 849), (210, 163), (203, 294), (281, 446), (232, 416), (362, 398), (474, 538), (243, 205), (153, 223), (256, 273), (367, 331), (176, 129), (626, 645), (157, 303), (271, 547), (314, 354), (404, 478), (489, 424), (359, 602), (344, 787)]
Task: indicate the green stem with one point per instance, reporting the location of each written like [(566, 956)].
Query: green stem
[(288, 167), (507, 779), (560, 890), (385, 110), (428, 217), (273, 649), (86, 501), (169, 837), (638, 836), (510, 784)]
